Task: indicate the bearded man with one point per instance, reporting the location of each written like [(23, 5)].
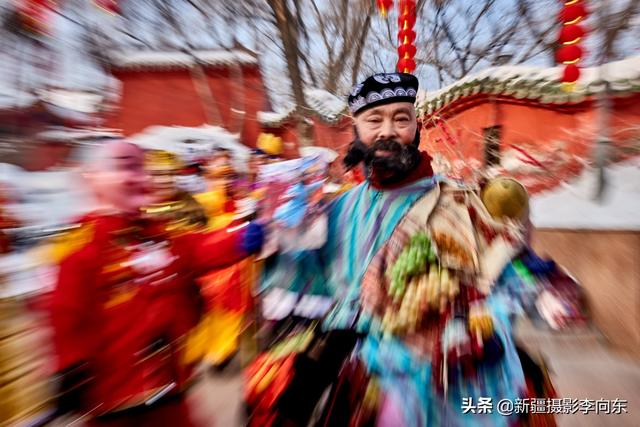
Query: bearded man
[(413, 262)]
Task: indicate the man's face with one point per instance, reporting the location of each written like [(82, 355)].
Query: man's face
[(119, 177), (386, 134), (395, 122)]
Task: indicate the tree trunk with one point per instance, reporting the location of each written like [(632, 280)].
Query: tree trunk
[(289, 35), (199, 77)]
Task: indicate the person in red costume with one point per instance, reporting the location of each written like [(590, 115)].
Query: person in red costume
[(122, 304)]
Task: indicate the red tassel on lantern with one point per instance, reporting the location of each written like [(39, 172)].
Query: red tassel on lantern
[(406, 65), (570, 34), (571, 74), (569, 54)]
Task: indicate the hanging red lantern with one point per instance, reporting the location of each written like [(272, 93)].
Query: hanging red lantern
[(571, 34), (572, 13), (569, 54), (34, 15), (406, 51), (406, 21), (406, 65), (407, 8), (406, 36), (384, 6), (110, 6), (571, 74)]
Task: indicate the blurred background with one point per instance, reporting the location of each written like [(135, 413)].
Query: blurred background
[(193, 77)]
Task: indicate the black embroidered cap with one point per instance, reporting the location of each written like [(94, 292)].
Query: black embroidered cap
[(381, 89)]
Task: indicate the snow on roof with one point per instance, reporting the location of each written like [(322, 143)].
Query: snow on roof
[(571, 206), (325, 105), (82, 102), (60, 133), (176, 59), (273, 117), (191, 143), (543, 84)]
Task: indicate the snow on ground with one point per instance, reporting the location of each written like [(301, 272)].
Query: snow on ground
[(572, 205)]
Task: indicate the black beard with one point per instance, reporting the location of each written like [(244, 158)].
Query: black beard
[(389, 169)]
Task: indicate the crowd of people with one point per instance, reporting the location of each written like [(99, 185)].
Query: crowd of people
[(384, 296)]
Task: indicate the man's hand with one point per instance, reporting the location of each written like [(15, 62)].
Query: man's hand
[(253, 237)]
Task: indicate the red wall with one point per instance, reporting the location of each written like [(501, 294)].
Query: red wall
[(336, 136), (168, 98), (537, 128)]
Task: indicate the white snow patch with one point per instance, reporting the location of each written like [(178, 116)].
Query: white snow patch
[(191, 143), (268, 117), (133, 59), (572, 205), (626, 69), (83, 102), (325, 103)]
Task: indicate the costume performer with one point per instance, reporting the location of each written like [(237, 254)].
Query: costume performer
[(122, 304), (226, 291), (414, 263)]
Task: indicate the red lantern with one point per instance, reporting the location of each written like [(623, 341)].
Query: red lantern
[(34, 15), (406, 51), (569, 54), (110, 6), (406, 19), (406, 65), (573, 12), (406, 36), (571, 74), (570, 34), (384, 6), (407, 6)]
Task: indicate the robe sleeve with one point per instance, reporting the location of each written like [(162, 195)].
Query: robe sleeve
[(73, 302), (209, 250)]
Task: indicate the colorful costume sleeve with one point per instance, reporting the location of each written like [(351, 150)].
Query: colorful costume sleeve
[(216, 249)]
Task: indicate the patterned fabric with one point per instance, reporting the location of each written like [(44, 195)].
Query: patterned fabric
[(458, 225), (381, 89), (360, 222), (455, 219), (406, 380)]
